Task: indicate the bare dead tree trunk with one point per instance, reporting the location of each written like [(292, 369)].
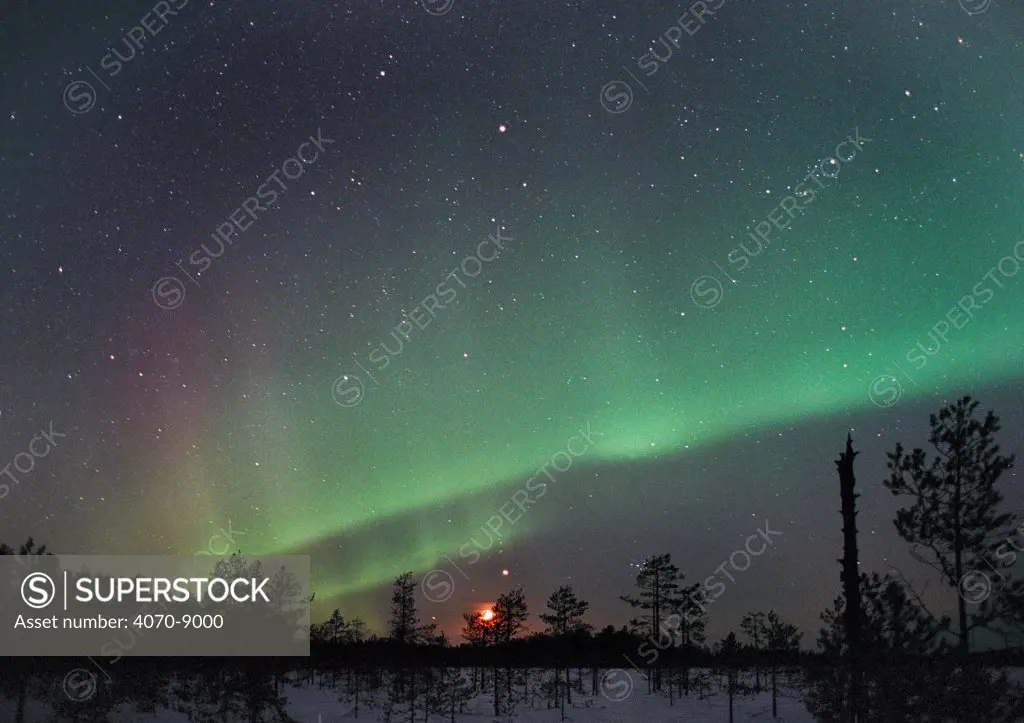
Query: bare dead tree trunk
[(850, 577)]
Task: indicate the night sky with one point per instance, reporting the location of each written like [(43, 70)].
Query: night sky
[(203, 384)]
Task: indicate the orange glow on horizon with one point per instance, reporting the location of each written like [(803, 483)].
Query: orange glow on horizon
[(487, 615)]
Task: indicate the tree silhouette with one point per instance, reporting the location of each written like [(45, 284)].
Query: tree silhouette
[(753, 625), (404, 626), (251, 690), (688, 623), (953, 513), (564, 620), (781, 639), (477, 632), (21, 684), (729, 649), (850, 577), (510, 615), (405, 629), (336, 629), (658, 583), (898, 632)]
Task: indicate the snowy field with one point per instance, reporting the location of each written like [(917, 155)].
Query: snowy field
[(616, 704), (623, 698)]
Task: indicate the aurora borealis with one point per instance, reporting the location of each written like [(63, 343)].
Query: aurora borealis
[(451, 127)]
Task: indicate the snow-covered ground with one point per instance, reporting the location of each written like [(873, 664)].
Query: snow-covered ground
[(623, 698)]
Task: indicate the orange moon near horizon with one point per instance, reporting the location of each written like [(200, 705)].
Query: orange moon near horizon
[(487, 614)]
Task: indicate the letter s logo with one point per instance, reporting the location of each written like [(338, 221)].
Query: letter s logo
[(885, 391), (43, 588), (438, 586), (709, 289)]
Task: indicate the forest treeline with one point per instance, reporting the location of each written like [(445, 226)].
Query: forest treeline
[(882, 654)]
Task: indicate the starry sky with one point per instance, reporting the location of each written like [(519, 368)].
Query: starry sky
[(205, 386)]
